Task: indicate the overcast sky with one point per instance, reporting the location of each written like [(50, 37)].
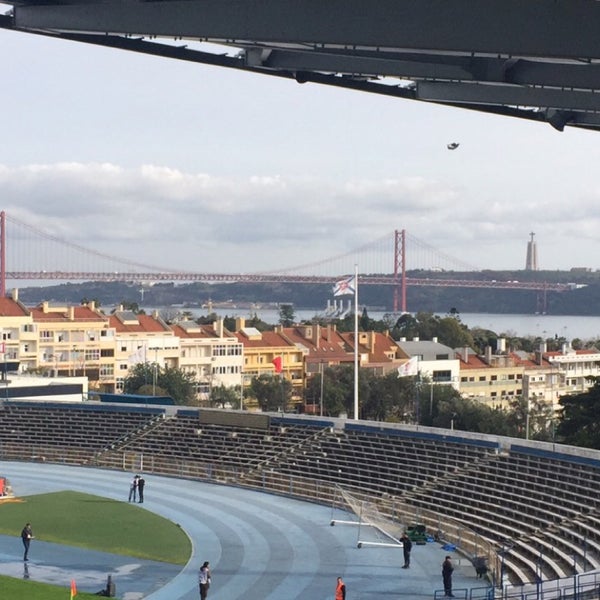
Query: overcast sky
[(172, 164)]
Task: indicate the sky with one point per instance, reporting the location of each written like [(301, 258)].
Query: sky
[(201, 168)]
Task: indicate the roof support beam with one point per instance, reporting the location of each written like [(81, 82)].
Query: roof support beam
[(535, 28)]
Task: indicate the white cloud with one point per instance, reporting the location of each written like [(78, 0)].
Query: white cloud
[(167, 217)]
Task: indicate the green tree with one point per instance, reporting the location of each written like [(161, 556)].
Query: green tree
[(406, 326), (286, 315), (386, 397), (134, 307), (152, 379), (225, 397), (338, 390), (579, 421), (85, 301), (272, 393)]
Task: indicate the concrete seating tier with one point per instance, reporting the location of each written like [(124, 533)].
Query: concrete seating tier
[(541, 506)]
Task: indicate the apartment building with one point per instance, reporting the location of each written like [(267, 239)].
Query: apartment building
[(19, 334), (436, 362), (262, 350), (141, 338), (212, 353), (495, 379), (74, 341)]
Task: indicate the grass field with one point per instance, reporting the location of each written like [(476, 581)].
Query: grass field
[(91, 522), (15, 589)]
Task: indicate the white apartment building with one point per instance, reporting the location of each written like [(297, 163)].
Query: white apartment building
[(214, 354)]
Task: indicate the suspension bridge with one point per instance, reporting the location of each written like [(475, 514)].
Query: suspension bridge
[(30, 253)]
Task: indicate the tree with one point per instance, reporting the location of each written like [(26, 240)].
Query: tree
[(85, 301), (272, 393), (134, 307), (286, 315), (225, 397), (386, 397), (152, 379), (579, 424)]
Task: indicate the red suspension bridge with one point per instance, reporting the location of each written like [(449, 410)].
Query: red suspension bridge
[(37, 255)]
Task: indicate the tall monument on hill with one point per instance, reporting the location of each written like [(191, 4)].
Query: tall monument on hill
[(531, 262)]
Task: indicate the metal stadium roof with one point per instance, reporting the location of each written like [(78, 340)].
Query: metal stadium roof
[(536, 59)]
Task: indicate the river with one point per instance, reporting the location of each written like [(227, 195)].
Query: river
[(545, 326)]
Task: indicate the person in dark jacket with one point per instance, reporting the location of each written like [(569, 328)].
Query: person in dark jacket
[(26, 537), (447, 569), (406, 548), (140, 485)]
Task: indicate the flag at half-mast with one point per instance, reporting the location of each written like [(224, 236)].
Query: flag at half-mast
[(345, 287)]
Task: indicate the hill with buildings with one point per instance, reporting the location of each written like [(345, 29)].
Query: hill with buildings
[(580, 301)]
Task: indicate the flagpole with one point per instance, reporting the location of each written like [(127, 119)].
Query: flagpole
[(356, 342)]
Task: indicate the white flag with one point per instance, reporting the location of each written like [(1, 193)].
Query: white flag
[(345, 287), (409, 368), (139, 356)]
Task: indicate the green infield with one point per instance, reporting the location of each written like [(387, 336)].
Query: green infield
[(96, 523), (15, 589)]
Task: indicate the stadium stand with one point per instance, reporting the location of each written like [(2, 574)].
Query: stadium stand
[(529, 510)]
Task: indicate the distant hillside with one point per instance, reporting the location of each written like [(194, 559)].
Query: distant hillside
[(583, 301)]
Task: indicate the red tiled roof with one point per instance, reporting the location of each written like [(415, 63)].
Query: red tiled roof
[(203, 331), (10, 308), (145, 324), (80, 313), (268, 339)]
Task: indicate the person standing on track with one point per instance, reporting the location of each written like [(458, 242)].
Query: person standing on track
[(141, 484), (133, 488), (204, 580), (26, 537), (447, 569), (406, 548)]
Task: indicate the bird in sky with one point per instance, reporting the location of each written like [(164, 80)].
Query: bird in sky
[(453, 146)]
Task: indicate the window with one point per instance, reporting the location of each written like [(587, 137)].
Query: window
[(123, 367), (482, 378), (92, 355), (442, 376)]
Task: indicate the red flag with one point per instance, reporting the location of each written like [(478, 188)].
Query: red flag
[(277, 362), (73, 589)]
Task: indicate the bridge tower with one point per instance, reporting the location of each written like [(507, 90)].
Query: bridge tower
[(400, 270)]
